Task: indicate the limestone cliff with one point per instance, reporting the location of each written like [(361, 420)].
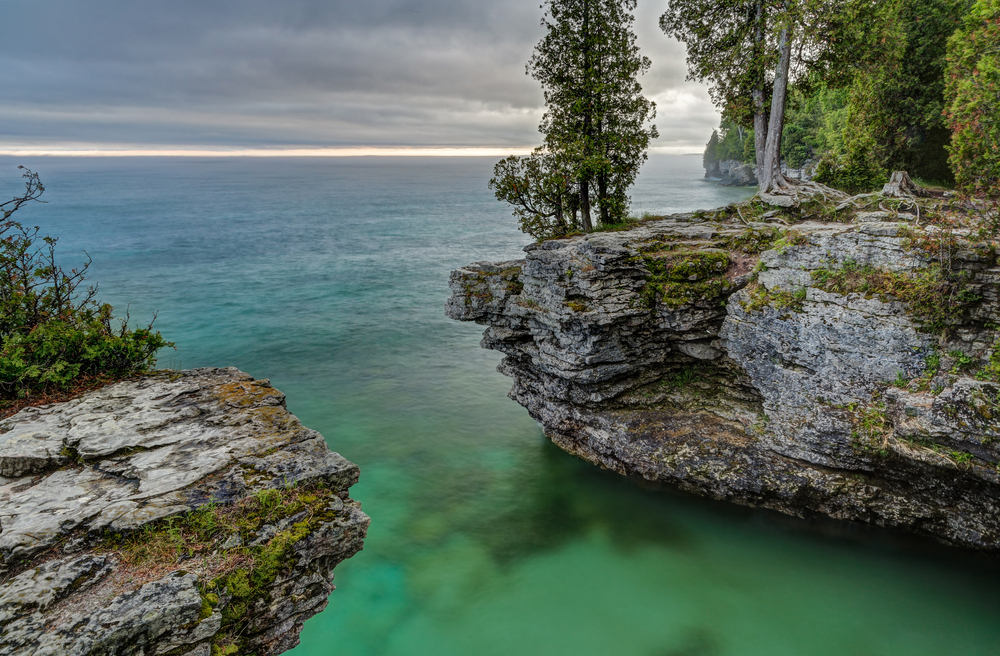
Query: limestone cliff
[(833, 366), (183, 513), (733, 173)]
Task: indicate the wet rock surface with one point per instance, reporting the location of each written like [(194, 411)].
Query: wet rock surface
[(83, 481), (708, 354)]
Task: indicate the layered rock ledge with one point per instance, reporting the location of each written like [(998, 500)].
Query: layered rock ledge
[(180, 513), (832, 367)]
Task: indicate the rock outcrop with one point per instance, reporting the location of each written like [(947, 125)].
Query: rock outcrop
[(833, 367), (732, 173), (172, 514)]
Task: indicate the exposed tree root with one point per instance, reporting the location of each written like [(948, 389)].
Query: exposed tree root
[(740, 212), (790, 193), (854, 201)]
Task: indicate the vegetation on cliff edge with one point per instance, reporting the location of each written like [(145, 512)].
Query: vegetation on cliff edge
[(54, 333)]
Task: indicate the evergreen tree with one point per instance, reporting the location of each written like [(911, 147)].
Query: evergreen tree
[(596, 116), (897, 97), (973, 96)]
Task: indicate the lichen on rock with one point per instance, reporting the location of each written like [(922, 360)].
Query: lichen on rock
[(178, 513)]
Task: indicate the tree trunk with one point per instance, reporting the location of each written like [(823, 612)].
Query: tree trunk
[(769, 176), (602, 195), (585, 205), (759, 130), (759, 117), (901, 186)]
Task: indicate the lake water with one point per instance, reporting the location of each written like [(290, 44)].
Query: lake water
[(329, 277)]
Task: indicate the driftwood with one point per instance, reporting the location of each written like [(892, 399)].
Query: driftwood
[(901, 186)]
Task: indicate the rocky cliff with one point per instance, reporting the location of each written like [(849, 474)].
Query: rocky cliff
[(183, 513), (808, 360), (732, 173)]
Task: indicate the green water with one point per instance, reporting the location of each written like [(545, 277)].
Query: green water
[(329, 277)]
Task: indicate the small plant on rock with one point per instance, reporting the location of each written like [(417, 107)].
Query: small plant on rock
[(53, 332)]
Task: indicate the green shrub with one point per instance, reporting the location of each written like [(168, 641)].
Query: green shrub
[(52, 333), (855, 171)]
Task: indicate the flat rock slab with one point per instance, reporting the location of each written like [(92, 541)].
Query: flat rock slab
[(137, 451)]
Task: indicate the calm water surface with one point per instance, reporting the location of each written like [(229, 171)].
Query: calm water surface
[(329, 277)]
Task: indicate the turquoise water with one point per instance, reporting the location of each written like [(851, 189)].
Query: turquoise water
[(329, 276)]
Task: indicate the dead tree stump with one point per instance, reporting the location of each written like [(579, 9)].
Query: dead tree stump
[(901, 186)]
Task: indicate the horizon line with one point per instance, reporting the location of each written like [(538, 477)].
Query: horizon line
[(366, 151)]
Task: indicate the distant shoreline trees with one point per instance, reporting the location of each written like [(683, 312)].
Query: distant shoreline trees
[(874, 87), (596, 125)]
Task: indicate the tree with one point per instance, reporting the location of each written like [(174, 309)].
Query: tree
[(973, 100), (897, 96), (818, 42), (728, 47), (742, 48), (595, 125)]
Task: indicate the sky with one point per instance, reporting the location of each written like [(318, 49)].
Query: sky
[(299, 77)]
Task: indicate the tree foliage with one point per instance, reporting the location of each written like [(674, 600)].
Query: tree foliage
[(596, 124), (897, 94), (729, 47), (749, 50), (543, 190), (52, 331), (973, 100), (814, 124)]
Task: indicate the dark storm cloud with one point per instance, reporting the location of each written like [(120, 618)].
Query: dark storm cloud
[(295, 72)]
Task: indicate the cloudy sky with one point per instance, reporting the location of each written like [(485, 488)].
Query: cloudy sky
[(256, 75)]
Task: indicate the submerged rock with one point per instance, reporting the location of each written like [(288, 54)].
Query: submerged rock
[(763, 364), (169, 514)]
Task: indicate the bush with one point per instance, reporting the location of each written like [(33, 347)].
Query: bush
[(857, 170), (972, 81), (52, 334)]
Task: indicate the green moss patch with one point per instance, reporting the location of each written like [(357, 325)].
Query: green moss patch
[(478, 286), (754, 240), (872, 429), (937, 298), (685, 277), (212, 542), (759, 297)]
